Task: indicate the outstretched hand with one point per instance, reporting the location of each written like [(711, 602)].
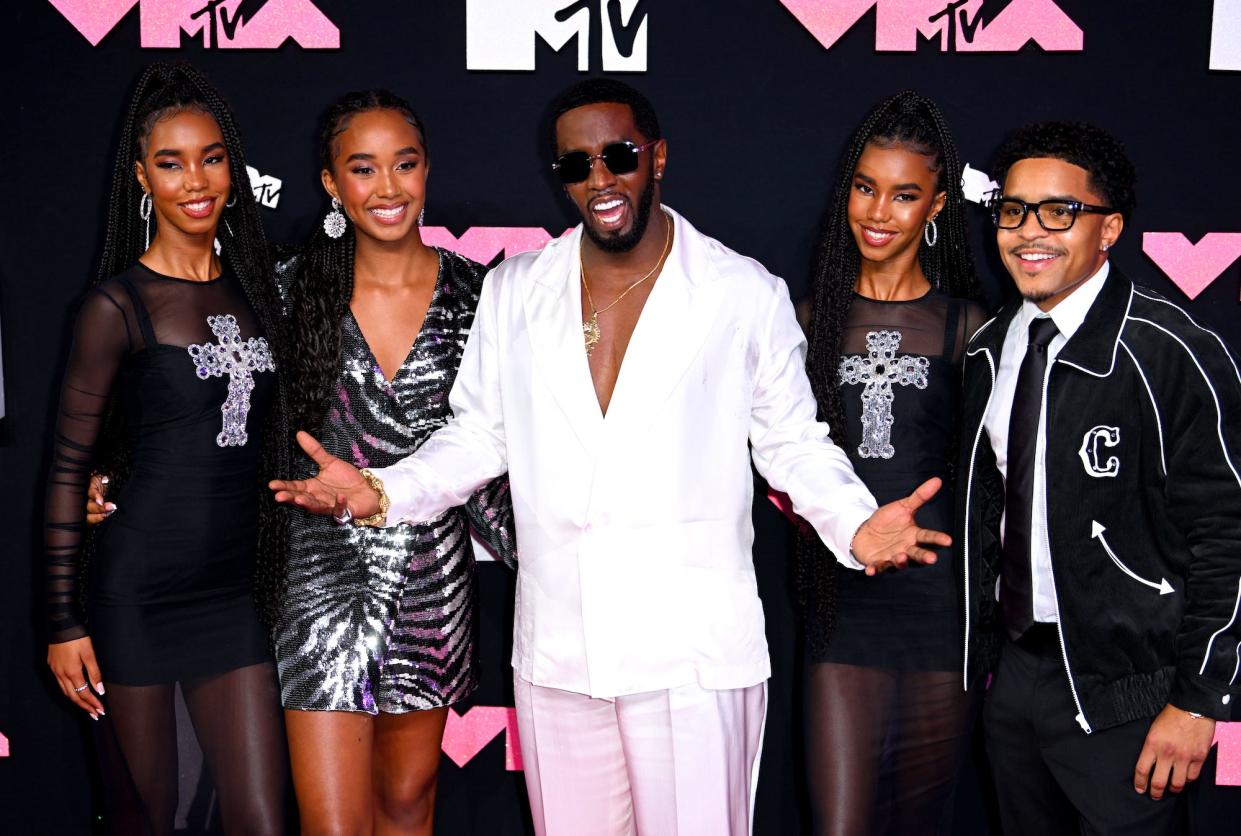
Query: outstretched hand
[(891, 537), (336, 487)]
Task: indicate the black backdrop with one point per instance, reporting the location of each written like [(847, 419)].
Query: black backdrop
[(756, 111)]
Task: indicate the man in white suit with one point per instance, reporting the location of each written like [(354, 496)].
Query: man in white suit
[(624, 376)]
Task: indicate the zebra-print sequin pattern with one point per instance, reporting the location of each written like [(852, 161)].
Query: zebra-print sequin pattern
[(383, 619)]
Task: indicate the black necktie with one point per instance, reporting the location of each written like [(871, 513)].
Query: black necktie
[(1016, 592)]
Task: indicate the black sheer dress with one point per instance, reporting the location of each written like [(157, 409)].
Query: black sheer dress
[(887, 714), (170, 597)]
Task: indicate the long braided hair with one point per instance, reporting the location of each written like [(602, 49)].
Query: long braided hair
[(909, 121), (164, 90), (320, 295)]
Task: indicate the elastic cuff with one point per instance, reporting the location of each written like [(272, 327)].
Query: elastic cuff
[(1191, 692)]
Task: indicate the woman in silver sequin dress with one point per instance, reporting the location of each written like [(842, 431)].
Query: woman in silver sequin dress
[(377, 636)]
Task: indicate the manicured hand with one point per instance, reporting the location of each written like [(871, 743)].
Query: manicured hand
[(891, 537), (1172, 755), (73, 664), (338, 485), (97, 510)]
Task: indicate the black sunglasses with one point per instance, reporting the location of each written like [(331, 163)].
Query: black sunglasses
[(1052, 215), (619, 157)]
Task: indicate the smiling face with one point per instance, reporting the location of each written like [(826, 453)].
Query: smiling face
[(1048, 266), (379, 174), (892, 196), (615, 208), (185, 169)]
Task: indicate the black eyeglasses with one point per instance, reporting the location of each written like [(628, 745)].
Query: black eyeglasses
[(619, 157), (1053, 215)]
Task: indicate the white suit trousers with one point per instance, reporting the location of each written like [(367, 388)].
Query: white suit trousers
[(681, 762)]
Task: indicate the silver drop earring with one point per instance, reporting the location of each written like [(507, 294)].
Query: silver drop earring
[(334, 222), (930, 233), (145, 205), (422, 215)]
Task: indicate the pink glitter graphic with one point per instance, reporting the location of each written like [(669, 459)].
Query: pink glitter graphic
[(1228, 758), (215, 21), (1192, 267), (957, 23), (484, 243), (465, 735)]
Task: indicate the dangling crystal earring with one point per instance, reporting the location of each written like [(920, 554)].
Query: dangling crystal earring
[(334, 221), (930, 233), (144, 211), (422, 214)]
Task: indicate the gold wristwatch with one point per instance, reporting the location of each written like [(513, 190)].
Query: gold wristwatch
[(380, 517)]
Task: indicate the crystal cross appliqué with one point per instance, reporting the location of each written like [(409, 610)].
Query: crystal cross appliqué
[(238, 359), (879, 371)]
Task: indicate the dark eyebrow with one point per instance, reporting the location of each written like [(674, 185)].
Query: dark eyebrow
[(360, 156), (899, 187), (408, 149), (174, 152)]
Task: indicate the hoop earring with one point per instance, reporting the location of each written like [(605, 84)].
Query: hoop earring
[(145, 205), (232, 200), (334, 222), (930, 233)]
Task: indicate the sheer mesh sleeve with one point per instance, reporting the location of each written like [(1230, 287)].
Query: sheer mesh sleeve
[(490, 512), (973, 318), (101, 341)]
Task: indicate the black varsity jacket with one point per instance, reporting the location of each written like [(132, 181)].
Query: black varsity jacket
[(1143, 481)]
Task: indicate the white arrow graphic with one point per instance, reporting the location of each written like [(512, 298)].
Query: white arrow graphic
[(1096, 530)]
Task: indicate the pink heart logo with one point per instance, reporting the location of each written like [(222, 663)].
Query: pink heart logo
[(1192, 267)]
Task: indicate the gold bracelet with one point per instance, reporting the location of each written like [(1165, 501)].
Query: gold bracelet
[(380, 517)]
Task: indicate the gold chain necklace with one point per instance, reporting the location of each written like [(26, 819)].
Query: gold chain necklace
[(590, 328)]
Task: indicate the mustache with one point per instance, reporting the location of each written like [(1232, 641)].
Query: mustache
[(1028, 249)]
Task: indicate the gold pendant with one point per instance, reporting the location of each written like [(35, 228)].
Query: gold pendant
[(590, 333)]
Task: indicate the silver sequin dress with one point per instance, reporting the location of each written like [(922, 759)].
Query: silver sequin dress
[(384, 619)]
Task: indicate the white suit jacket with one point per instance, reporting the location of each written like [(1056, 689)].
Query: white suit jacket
[(634, 530)]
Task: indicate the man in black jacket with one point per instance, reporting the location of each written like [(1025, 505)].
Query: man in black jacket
[(1101, 511)]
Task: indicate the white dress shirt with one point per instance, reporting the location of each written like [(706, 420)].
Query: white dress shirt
[(634, 530), (1068, 316)]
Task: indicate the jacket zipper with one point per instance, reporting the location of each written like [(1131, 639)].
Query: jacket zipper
[(1064, 651), (969, 488)]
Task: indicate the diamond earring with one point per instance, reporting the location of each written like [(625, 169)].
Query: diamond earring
[(145, 205), (334, 222), (930, 233)]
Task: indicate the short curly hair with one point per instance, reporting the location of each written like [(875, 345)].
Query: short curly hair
[(604, 91), (1087, 146)]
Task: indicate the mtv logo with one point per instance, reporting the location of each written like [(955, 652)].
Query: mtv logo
[(223, 24), (1226, 35), (961, 25), (503, 35), (265, 187), (976, 185)]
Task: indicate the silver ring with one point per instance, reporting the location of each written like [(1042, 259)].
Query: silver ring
[(80, 690), (345, 518)]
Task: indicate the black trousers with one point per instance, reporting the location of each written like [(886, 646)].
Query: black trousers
[(1050, 776)]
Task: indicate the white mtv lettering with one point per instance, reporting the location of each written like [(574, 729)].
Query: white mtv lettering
[(976, 185), (504, 35), (265, 187), (1226, 35)]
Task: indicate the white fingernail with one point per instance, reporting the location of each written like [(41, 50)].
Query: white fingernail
[(99, 689), (110, 507), (93, 717), (104, 480), (102, 712)]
